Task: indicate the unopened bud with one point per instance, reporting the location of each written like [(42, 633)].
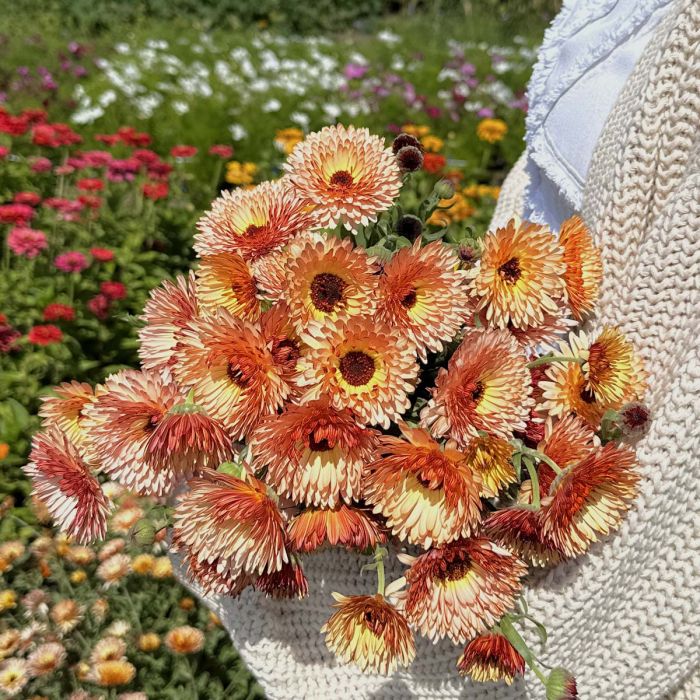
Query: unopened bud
[(403, 140), (561, 685), (144, 532), (635, 419), (445, 189), (409, 159)]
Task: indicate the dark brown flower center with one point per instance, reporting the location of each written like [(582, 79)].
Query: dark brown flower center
[(318, 445), (408, 301), (357, 367), (454, 570), (510, 271), (152, 422), (285, 352), (253, 230), (341, 180), (327, 291), (374, 621), (477, 391), (587, 396)]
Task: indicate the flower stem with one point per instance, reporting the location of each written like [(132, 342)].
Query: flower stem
[(379, 559), (547, 359), (535, 483)]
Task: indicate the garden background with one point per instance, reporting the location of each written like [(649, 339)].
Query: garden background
[(119, 123)]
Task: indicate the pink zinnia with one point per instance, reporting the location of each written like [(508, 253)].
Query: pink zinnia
[(183, 151), (73, 261), (99, 306), (221, 150), (40, 164), (59, 312), (45, 335), (29, 198), (102, 254), (113, 290), (4, 152), (15, 213), (26, 241)]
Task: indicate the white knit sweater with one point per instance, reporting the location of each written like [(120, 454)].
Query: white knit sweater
[(625, 618)]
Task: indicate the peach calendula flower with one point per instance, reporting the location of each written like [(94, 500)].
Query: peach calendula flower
[(66, 615), (81, 555), (170, 308), (460, 590), (330, 279), (362, 365), (12, 550), (114, 569), (8, 600), (567, 441), (253, 222), (369, 632), (142, 564), (422, 293), (519, 277), (589, 499), (491, 657), (63, 481), (162, 568), (9, 642), (148, 641), (226, 281), (284, 343), (115, 546), (184, 640), (125, 518), (314, 453), (565, 391), (490, 458), (428, 495), (64, 409), (14, 675), (486, 386), (491, 130), (109, 674), (108, 649), (342, 525), (346, 174), (552, 328), (120, 423), (229, 364), (584, 267), (232, 524), (288, 582)]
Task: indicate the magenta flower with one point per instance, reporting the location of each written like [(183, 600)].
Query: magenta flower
[(26, 241), (73, 261), (41, 164), (355, 71), (485, 113)]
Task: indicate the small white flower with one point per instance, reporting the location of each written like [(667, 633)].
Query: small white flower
[(107, 97), (122, 48), (300, 118), (87, 115), (388, 37), (237, 132), (272, 105), (180, 107)]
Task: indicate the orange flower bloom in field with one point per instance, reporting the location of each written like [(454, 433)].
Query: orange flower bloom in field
[(66, 615), (346, 174), (171, 307), (441, 581), (253, 222), (519, 278), (423, 294), (148, 642), (428, 495), (108, 649), (369, 632), (184, 640), (114, 569), (489, 458), (342, 525), (63, 481), (590, 498), (491, 130), (584, 267), (330, 279), (225, 281), (361, 365), (314, 453), (109, 674), (65, 409), (486, 386), (491, 657)]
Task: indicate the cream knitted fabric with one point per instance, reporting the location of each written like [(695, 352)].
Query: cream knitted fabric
[(625, 617)]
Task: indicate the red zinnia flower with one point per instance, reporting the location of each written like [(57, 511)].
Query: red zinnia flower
[(54, 135), (434, 162), (91, 184), (30, 198), (102, 254), (59, 312), (156, 190), (99, 306), (15, 214), (73, 261), (113, 290), (183, 151), (45, 335), (221, 150)]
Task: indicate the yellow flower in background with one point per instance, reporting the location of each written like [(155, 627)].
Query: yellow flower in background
[(162, 568), (8, 600), (459, 210), (240, 173), (4, 450), (149, 641), (286, 139), (416, 130), (78, 576), (491, 130), (431, 143), (112, 673), (186, 603), (143, 564)]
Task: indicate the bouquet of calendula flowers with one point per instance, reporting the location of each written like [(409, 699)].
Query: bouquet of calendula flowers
[(338, 373)]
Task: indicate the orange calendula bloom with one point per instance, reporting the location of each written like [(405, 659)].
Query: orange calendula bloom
[(489, 457), (460, 590), (428, 495), (314, 453), (346, 174), (567, 441), (486, 386), (519, 278), (369, 632), (491, 130), (491, 657), (288, 582), (65, 484), (342, 525), (552, 328), (253, 222), (109, 674), (362, 365), (235, 376), (171, 307), (64, 409), (184, 640), (422, 293), (584, 267), (589, 499), (225, 281)]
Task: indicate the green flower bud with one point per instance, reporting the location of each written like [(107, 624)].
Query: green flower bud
[(561, 685)]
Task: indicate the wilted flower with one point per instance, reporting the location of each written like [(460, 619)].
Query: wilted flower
[(491, 657)]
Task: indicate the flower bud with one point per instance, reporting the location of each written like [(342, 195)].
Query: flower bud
[(561, 685), (410, 158), (403, 140), (144, 532), (410, 227), (634, 419), (445, 189)]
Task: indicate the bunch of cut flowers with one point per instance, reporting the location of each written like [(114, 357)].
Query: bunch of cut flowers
[(335, 374)]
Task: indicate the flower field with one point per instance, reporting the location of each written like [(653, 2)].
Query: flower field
[(112, 145)]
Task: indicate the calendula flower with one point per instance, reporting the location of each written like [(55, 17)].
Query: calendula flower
[(314, 453), (422, 293), (230, 526), (170, 308), (109, 674), (240, 173), (142, 564), (519, 277), (330, 279), (491, 130), (229, 365), (81, 555), (533, 338), (428, 495), (288, 582), (99, 609), (490, 458), (162, 568), (148, 642), (8, 600), (114, 569), (120, 423), (486, 386), (12, 550), (254, 222), (125, 518), (184, 640), (225, 281), (460, 590), (369, 632), (284, 344), (567, 441), (589, 499), (286, 139), (342, 525), (64, 409), (14, 675), (64, 482), (79, 576), (108, 649), (584, 267), (362, 365), (66, 615), (119, 628), (346, 174), (9, 642), (491, 657), (109, 549)]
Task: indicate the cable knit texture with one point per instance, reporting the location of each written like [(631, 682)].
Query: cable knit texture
[(625, 617)]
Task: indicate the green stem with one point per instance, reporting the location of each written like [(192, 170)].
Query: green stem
[(535, 484), (379, 559), (541, 457), (548, 359)]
